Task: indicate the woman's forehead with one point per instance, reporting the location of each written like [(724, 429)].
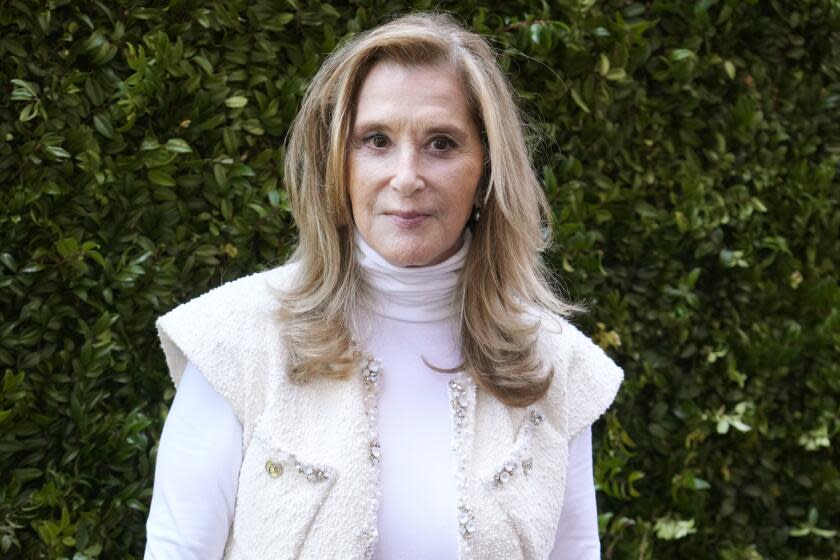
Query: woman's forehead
[(431, 95)]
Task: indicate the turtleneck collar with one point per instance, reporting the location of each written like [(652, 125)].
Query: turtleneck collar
[(417, 294)]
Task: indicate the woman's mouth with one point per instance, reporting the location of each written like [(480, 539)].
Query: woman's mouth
[(407, 219)]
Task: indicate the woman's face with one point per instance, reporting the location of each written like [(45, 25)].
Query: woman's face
[(414, 162)]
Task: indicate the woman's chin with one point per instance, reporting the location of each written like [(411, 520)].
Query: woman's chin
[(406, 258), (421, 245), (418, 254)]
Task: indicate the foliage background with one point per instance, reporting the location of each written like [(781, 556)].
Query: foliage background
[(690, 150)]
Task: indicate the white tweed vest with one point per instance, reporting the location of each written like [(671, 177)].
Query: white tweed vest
[(309, 478)]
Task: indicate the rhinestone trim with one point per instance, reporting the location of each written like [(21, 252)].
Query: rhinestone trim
[(372, 537), (527, 465), (371, 370), (375, 453), (459, 398), (517, 458), (313, 473), (371, 373), (274, 467), (466, 521), (507, 471)]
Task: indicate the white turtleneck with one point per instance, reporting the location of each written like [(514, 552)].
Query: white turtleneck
[(411, 294), (408, 317)]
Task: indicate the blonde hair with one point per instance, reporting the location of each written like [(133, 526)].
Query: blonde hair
[(503, 276)]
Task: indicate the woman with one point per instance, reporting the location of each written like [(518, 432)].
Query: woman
[(406, 386)]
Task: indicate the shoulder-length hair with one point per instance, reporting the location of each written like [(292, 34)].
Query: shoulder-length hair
[(503, 276)]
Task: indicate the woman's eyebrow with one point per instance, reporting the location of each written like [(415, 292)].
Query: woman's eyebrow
[(450, 129), (371, 125)]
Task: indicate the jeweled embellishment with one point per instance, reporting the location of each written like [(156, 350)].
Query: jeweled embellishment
[(375, 452), (371, 536), (459, 401), (371, 371), (516, 457), (506, 472), (466, 521), (273, 468), (371, 374), (313, 473), (527, 465)]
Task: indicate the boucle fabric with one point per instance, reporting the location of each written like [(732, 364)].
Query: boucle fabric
[(232, 334)]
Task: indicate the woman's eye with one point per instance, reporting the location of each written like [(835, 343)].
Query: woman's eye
[(442, 143), (378, 140)]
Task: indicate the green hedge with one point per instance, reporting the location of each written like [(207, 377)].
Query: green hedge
[(689, 149)]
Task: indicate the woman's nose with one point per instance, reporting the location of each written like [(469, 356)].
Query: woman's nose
[(407, 179)]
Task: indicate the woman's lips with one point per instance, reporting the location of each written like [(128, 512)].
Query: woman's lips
[(407, 219)]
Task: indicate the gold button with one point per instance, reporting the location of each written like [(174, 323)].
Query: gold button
[(273, 468)]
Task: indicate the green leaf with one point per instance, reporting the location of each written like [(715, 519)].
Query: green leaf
[(220, 174), (204, 64), (616, 74), (20, 94), (159, 177), (730, 69), (283, 18), (28, 113), (9, 261), (30, 87), (103, 125), (673, 529), (177, 146), (57, 151), (329, 10), (236, 102), (700, 484), (603, 64), (579, 100), (241, 170), (679, 55), (252, 126), (95, 40), (149, 144)]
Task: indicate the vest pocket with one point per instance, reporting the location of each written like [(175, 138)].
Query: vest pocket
[(530, 483), (278, 499)]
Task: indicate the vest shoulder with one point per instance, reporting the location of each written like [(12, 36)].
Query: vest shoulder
[(556, 336), (586, 379), (229, 333)]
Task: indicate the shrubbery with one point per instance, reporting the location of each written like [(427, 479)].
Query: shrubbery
[(690, 151)]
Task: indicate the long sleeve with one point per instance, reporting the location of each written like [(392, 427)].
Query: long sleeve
[(196, 474), (577, 535)]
